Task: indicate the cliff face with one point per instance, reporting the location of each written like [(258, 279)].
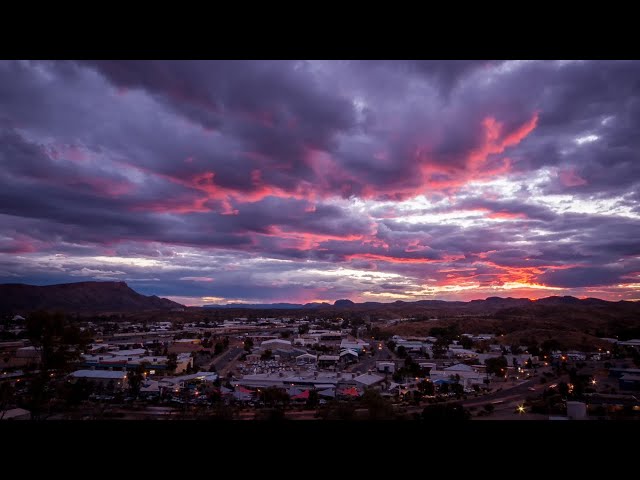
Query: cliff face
[(79, 297)]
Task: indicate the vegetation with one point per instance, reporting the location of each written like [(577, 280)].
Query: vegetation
[(497, 366)]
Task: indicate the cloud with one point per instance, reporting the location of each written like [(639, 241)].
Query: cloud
[(249, 179)]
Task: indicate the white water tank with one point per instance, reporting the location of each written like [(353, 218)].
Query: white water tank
[(576, 410)]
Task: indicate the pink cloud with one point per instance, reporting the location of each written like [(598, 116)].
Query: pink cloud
[(570, 178)]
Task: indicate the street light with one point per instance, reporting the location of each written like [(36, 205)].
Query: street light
[(521, 409)]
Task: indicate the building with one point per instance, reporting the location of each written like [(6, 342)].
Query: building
[(386, 367), (619, 372), (276, 343), (356, 345), (468, 375), (629, 382), (326, 361), (104, 377), (306, 359), (15, 414), (577, 410), (631, 343), (123, 362), (317, 380), (348, 356)]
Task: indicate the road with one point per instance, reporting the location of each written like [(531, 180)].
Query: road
[(227, 359), (508, 393), (369, 362)]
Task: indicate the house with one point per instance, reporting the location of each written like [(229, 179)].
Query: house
[(459, 367), (386, 367), (356, 345), (428, 366), (348, 356), (576, 356), (410, 346), (460, 352), (150, 388), (368, 380)]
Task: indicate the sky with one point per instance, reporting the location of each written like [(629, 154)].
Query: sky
[(301, 181)]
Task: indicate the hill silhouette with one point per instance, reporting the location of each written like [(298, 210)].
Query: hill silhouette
[(79, 297)]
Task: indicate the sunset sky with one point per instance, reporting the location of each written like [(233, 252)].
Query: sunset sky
[(301, 181)]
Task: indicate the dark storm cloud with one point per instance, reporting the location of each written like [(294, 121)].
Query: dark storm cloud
[(582, 277)]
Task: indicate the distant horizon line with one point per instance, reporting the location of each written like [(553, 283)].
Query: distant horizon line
[(240, 305), (327, 303)]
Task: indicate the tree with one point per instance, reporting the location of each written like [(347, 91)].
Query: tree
[(58, 342), (135, 378), (77, 392), (172, 362), (401, 351), (466, 342), (304, 328), (313, 400), (563, 389), (440, 348), (497, 366), (248, 344), (7, 396), (266, 355), (378, 407), (426, 387), (273, 396), (445, 411)]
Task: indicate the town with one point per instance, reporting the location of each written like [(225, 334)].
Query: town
[(303, 367)]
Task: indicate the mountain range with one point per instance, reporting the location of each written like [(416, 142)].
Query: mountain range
[(488, 303), (93, 297)]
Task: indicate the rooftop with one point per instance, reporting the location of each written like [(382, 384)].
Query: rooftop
[(105, 374)]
